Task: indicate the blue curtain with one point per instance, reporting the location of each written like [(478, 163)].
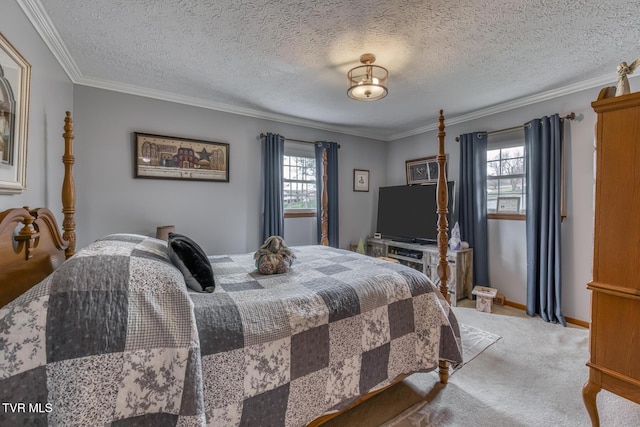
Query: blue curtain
[(472, 207), (543, 148), (272, 165), (332, 190)]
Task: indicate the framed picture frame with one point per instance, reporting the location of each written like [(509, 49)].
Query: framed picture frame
[(508, 205), (360, 180), (15, 87), (171, 157), (423, 170)]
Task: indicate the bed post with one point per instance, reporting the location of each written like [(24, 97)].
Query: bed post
[(443, 241), (68, 189), (324, 224)]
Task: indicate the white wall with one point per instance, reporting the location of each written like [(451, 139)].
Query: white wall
[(507, 250), (51, 96), (222, 217), (508, 258)]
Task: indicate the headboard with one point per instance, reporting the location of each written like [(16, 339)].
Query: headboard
[(31, 244)]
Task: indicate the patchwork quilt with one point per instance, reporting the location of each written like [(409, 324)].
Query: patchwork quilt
[(108, 338), (284, 349), (114, 337)]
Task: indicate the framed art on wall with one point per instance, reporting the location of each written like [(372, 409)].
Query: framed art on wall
[(360, 180), (170, 157), (15, 83), (423, 170)]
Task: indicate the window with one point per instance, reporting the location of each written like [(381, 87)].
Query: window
[(506, 182), (299, 192)]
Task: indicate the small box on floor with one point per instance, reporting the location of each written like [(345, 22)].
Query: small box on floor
[(484, 297)]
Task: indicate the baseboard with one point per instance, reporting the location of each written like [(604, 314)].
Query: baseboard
[(515, 305), (577, 322), (571, 320)]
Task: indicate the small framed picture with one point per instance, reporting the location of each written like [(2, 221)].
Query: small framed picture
[(360, 180), (510, 205), (422, 171)]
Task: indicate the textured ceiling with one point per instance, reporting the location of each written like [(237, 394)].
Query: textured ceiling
[(287, 60)]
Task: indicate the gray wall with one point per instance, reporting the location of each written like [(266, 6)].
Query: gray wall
[(51, 96), (222, 217), (507, 250)]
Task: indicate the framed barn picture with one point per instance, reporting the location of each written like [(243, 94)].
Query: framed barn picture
[(170, 157)]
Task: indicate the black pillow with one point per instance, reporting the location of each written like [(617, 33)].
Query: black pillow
[(191, 260)]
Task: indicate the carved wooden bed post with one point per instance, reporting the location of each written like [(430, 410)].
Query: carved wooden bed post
[(68, 189), (443, 241), (324, 224)]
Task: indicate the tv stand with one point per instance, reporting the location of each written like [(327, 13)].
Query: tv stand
[(424, 257), (412, 241)]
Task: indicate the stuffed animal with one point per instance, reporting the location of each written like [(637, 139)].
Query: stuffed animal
[(274, 256)]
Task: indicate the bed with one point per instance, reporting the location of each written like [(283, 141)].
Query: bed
[(111, 335)]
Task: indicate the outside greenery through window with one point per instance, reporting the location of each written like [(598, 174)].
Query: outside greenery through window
[(299, 183), (506, 183)]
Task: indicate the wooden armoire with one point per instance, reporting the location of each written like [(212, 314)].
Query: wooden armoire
[(614, 331)]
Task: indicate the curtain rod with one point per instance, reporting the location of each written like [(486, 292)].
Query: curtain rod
[(570, 116), (262, 135)]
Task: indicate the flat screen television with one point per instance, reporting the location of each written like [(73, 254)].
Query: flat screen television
[(408, 212)]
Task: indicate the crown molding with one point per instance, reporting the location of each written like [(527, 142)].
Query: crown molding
[(42, 23), (597, 82), (211, 105)]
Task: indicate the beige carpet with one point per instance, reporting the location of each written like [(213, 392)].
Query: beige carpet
[(531, 376), (474, 342)]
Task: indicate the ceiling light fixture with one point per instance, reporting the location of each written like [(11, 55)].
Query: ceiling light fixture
[(367, 82)]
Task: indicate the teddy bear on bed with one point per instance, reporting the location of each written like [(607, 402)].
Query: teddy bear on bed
[(274, 256)]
